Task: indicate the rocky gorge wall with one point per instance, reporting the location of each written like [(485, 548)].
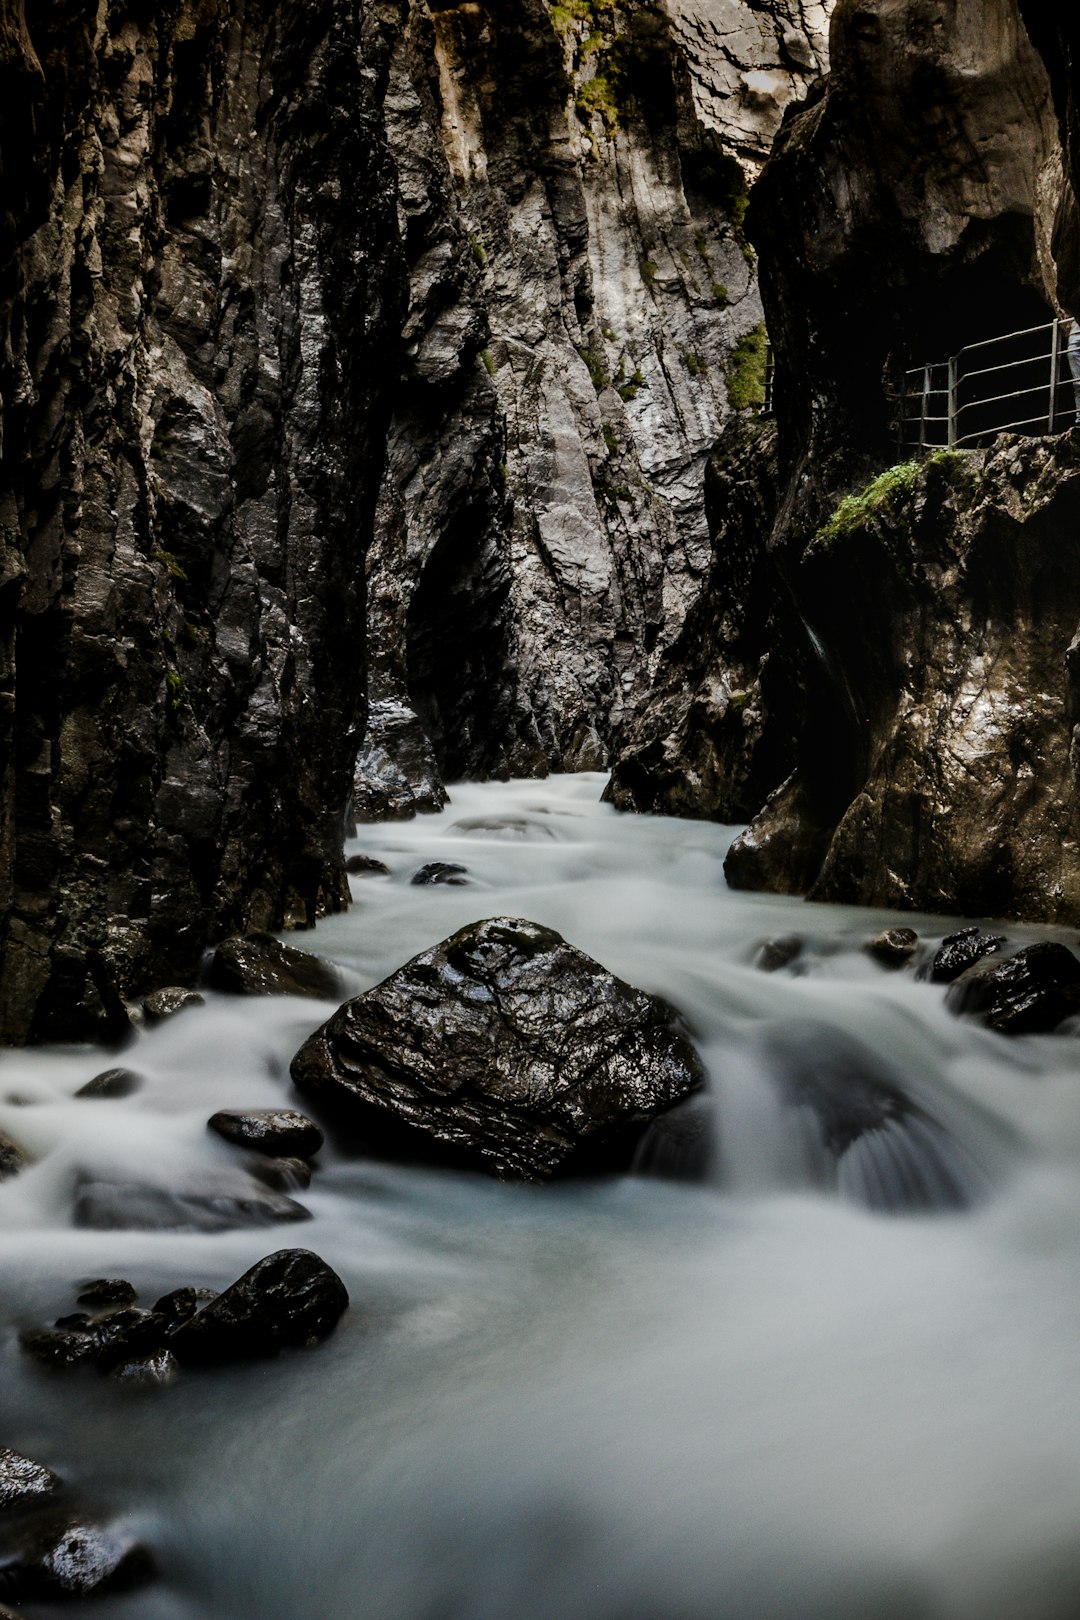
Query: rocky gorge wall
[(903, 726), (343, 344)]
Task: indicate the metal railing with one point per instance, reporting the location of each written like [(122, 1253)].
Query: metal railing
[(961, 403)]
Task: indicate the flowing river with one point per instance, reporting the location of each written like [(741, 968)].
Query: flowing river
[(760, 1395)]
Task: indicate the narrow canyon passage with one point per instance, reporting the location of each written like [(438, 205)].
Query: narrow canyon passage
[(756, 1393)]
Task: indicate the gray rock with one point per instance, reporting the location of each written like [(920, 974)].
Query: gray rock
[(276, 1132), (107, 1206), (447, 873), (156, 1370), (1031, 992), (288, 1300), (504, 1049), (284, 1175), (774, 954), (112, 1083), (24, 1482), (260, 965), (168, 1001), (70, 1557), (893, 947), (366, 866)]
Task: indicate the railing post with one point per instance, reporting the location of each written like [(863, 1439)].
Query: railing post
[(952, 402), (1055, 352), (925, 406)]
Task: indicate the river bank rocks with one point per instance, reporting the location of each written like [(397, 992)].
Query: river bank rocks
[(502, 1049), (289, 1300), (1029, 993), (260, 965)]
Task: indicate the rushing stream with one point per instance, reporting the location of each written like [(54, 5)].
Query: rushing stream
[(756, 1396)]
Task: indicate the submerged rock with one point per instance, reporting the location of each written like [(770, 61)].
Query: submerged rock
[(24, 1482), (366, 866), (283, 1175), (112, 1083), (502, 1049), (276, 1132), (893, 947), (260, 965), (13, 1158), (961, 951), (137, 1206), (774, 954), (445, 872), (1029, 993), (289, 1299)]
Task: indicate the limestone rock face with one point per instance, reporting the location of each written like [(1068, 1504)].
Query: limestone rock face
[(502, 1049)]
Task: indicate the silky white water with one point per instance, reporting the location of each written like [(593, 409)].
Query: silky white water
[(749, 1398)]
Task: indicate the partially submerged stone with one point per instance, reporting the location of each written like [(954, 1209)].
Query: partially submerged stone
[(13, 1158), (503, 1049), (445, 873), (24, 1482), (277, 1132), (108, 1206), (774, 954), (961, 951), (112, 1083), (168, 1001), (65, 1556), (1029, 993), (893, 947), (366, 866), (260, 965), (288, 1300), (107, 1291)]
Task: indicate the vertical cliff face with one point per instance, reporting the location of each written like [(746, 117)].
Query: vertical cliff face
[(583, 310), (201, 297)]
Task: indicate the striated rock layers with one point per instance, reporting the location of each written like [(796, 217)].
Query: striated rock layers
[(201, 305), (910, 714)]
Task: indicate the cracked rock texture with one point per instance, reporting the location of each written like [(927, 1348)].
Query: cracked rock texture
[(446, 294), (503, 1049)]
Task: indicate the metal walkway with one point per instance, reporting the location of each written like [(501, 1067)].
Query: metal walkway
[(1019, 383)]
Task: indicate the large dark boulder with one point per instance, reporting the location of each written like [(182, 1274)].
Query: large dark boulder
[(260, 965), (1031, 992), (290, 1299), (502, 1049)]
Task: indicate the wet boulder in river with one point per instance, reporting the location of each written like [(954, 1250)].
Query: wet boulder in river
[(112, 1083), (893, 947), (260, 965), (278, 1132), (64, 1556), (961, 951), (366, 866), (168, 1001), (445, 873), (502, 1049), (1031, 992), (24, 1482), (288, 1300)]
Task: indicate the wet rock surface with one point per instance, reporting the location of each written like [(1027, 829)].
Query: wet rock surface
[(444, 872), (107, 1291), (894, 947), (1029, 993), (366, 866), (112, 1083), (13, 1158), (23, 1481), (69, 1557), (774, 954), (503, 1049), (277, 1132), (260, 965), (961, 951), (107, 1206), (167, 1002)]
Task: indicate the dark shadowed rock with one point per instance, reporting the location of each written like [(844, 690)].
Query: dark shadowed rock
[(69, 1557), (290, 1299), (13, 1158), (24, 1482), (107, 1291), (961, 951), (444, 872), (181, 1304), (284, 1175), (680, 1145), (136, 1206), (366, 866), (112, 1083), (1031, 992), (59, 1347), (127, 1335), (277, 1132), (503, 1049), (894, 947), (260, 965), (774, 954), (167, 1002)]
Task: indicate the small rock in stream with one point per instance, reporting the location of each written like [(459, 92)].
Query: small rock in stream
[(107, 1206), (366, 866), (107, 1291), (168, 1001), (774, 954), (67, 1557), (260, 965), (283, 1175), (502, 1049), (59, 1347), (288, 1300), (13, 1158), (112, 1083), (277, 1132), (181, 1304), (156, 1370), (444, 873), (24, 1482), (961, 951), (1029, 993), (894, 947)]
